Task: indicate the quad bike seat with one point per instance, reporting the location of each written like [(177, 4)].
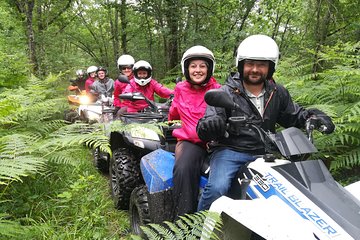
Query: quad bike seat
[(157, 170)]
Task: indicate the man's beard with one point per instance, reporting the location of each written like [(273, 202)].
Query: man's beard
[(260, 81)]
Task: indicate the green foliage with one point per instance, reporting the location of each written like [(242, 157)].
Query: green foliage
[(13, 59), (334, 91), (11, 229), (65, 202), (191, 226)]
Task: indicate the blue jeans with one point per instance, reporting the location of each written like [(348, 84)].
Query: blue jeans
[(224, 164)]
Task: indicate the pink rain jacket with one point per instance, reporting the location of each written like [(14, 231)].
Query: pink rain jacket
[(88, 84), (189, 106), (119, 88), (148, 90)]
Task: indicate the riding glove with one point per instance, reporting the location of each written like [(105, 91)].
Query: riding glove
[(323, 120), (211, 128)]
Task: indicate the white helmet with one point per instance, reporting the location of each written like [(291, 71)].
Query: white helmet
[(91, 69), (198, 52), (125, 60), (79, 72), (258, 47), (142, 65)]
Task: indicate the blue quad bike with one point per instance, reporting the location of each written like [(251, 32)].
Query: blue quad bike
[(280, 195), (129, 146)]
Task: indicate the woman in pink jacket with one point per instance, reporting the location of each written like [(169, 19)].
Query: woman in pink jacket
[(91, 71), (125, 64), (145, 84), (198, 64)]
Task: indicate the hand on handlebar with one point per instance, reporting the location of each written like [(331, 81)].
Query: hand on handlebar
[(323, 125), (211, 128)]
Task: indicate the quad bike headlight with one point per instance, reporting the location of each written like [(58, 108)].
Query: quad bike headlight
[(145, 133), (84, 100)]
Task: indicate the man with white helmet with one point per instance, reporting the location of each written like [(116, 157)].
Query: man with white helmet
[(261, 100), (145, 84), (91, 71), (125, 64)]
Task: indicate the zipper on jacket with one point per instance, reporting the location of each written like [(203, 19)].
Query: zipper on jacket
[(268, 101), (242, 94)]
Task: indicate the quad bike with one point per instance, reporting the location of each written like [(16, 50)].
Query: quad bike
[(129, 146), (75, 100), (86, 111), (280, 195)]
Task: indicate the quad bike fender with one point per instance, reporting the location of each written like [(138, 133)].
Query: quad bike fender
[(157, 170), (354, 189), (265, 217)]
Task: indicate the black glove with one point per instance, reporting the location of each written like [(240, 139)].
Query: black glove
[(322, 120), (211, 128)]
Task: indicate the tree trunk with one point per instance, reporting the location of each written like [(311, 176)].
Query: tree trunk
[(26, 9), (123, 26), (321, 31), (173, 16)]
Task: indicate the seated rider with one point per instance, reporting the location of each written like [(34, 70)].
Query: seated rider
[(145, 84), (188, 105), (260, 99), (78, 84), (125, 64), (91, 71), (103, 86)]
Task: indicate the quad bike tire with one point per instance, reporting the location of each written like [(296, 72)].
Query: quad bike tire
[(139, 209), (124, 177), (101, 161)]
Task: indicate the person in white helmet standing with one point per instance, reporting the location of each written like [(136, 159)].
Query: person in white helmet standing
[(261, 100), (188, 105), (125, 63), (145, 84)]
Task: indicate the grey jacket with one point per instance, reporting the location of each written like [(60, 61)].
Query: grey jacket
[(103, 87)]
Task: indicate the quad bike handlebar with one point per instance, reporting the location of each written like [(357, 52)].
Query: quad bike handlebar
[(281, 142)]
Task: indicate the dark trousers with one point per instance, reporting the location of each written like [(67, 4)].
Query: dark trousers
[(186, 177)]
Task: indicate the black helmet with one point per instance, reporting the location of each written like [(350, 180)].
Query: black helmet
[(102, 69)]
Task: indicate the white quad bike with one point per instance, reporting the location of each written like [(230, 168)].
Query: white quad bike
[(287, 197), (88, 111), (101, 111)]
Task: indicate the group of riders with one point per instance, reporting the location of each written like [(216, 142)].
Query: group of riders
[(205, 131), (98, 84)]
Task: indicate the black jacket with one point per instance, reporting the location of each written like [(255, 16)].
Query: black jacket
[(278, 109), (80, 82)]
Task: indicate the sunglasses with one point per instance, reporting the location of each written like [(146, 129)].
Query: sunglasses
[(126, 67)]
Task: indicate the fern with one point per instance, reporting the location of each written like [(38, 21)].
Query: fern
[(191, 226), (10, 228), (335, 91)]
